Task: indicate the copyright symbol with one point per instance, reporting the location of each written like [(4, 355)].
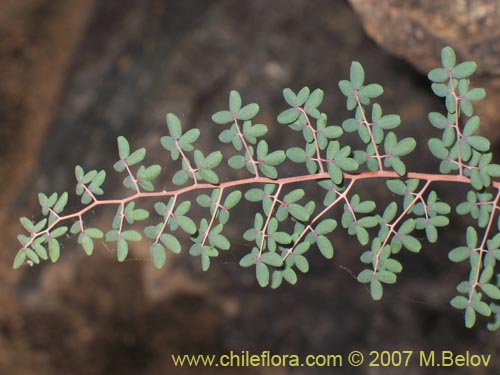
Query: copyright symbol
[(355, 358)]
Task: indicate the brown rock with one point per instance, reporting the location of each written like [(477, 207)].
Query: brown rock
[(417, 30), (39, 38)]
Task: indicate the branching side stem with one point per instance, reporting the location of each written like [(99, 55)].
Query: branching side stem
[(186, 160), (482, 249), (456, 125), (214, 215), (167, 218), (264, 229), (313, 131), (247, 149), (368, 127), (392, 227)]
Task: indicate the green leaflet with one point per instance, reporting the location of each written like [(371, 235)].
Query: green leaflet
[(158, 255), (54, 250), (262, 273), (19, 259), (376, 289), (325, 246), (247, 112), (123, 148), (121, 249), (87, 243), (222, 117), (174, 126), (357, 75), (171, 243)]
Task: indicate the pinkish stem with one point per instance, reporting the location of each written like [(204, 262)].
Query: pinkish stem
[(368, 127), (247, 149), (318, 153), (254, 180), (418, 196)]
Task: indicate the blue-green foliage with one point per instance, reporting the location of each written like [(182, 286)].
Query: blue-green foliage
[(465, 153), (289, 225)]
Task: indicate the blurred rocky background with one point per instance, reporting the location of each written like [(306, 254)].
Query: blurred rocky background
[(75, 74)]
